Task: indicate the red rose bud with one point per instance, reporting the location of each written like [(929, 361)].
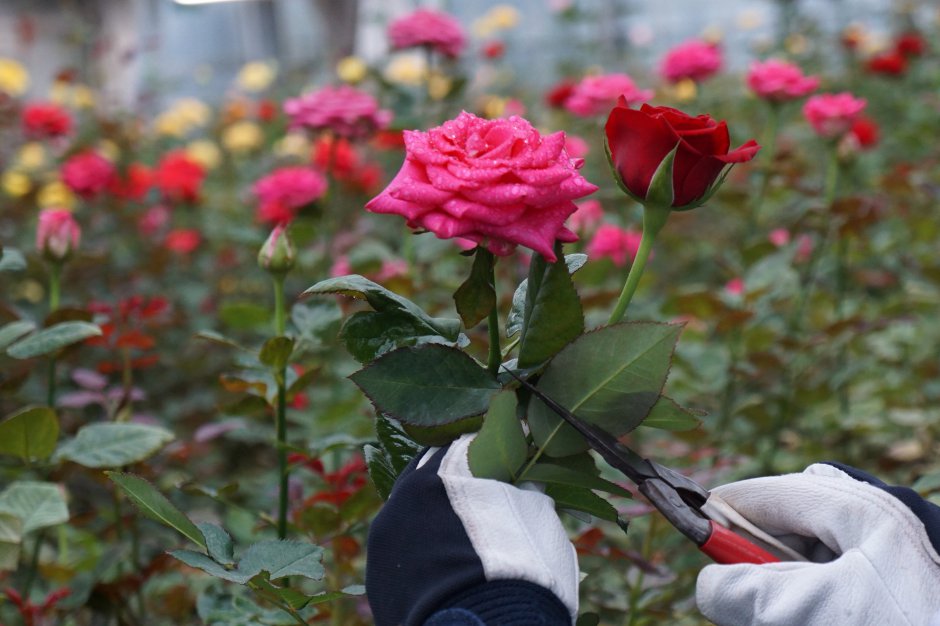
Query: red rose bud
[(277, 254), (910, 45), (653, 142), (58, 234)]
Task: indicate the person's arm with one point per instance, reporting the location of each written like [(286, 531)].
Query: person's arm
[(448, 548), (877, 547)]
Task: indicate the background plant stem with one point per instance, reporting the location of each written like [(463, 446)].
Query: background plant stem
[(495, 353), (280, 326)]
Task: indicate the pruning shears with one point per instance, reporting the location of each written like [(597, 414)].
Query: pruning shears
[(698, 514)]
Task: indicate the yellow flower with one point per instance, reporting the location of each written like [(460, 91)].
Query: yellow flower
[(494, 107), (194, 112), (293, 145), (60, 92), (712, 34), (796, 44), (31, 156), (204, 152), (170, 124), (439, 86), (504, 16), (351, 69), (750, 19), (83, 97), (242, 137), (55, 194), (685, 90), (16, 184), (14, 79), (109, 150), (406, 69), (256, 76)]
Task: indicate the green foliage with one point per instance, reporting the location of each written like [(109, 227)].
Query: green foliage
[(277, 559), (9, 333), (154, 505), (552, 315), (49, 340), (110, 444), (611, 377), (476, 296), (11, 260), (30, 433), (500, 449), (36, 504), (427, 386)]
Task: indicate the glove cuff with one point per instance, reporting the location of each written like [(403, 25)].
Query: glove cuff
[(505, 602)]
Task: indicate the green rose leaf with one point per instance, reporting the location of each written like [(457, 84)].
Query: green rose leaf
[(555, 474), (553, 315), (283, 558), (11, 535), (209, 566), (155, 505), (110, 444), (443, 434), (383, 301), (476, 297), (428, 385), (30, 433), (37, 504), (500, 449), (276, 352), (399, 448), (666, 414), (517, 312), (611, 377), (13, 331), (53, 338), (219, 543), (370, 334), (581, 499), (12, 260), (381, 472)]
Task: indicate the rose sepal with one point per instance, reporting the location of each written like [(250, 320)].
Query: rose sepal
[(661, 192)]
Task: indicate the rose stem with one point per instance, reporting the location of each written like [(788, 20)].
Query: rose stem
[(280, 325), (770, 145), (654, 218), (495, 353)]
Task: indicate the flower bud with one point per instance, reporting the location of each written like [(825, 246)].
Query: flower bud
[(58, 234), (277, 254)]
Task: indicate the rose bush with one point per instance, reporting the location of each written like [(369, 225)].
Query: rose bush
[(639, 140), (496, 182)]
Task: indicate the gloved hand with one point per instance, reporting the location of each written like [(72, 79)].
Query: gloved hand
[(880, 545), (448, 546)]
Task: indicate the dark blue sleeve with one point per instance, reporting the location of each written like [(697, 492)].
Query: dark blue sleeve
[(503, 602), (928, 512)]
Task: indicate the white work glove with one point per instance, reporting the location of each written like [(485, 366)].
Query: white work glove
[(880, 565), (446, 540)]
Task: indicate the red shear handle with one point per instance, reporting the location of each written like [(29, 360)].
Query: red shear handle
[(726, 547)]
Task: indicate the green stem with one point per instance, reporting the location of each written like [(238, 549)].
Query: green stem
[(495, 353), (842, 356), (33, 565), (280, 326), (763, 175), (636, 589), (55, 290), (654, 218), (731, 388)]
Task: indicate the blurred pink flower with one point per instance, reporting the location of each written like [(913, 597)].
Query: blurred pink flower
[(693, 59), (735, 287), (804, 248), (285, 190), (341, 266), (576, 147), (153, 220), (620, 245), (497, 182), (87, 173), (587, 217), (57, 235), (596, 95), (779, 81), (182, 240), (832, 115), (391, 268), (779, 237), (344, 110), (425, 27)]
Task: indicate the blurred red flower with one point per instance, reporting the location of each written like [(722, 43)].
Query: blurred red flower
[(41, 120), (494, 49), (910, 44), (179, 178), (559, 93), (182, 240), (87, 173), (887, 63), (125, 326), (134, 184)]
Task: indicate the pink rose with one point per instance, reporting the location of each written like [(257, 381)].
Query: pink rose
[(576, 147), (595, 95), (284, 191), (614, 243), (587, 217), (779, 81), (57, 235), (153, 220), (87, 173), (341, 266), (425, 27), (496, 182), (832, 114), (694, 59), (182, 240), (346, 111), (735, 287), (779, 237)]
